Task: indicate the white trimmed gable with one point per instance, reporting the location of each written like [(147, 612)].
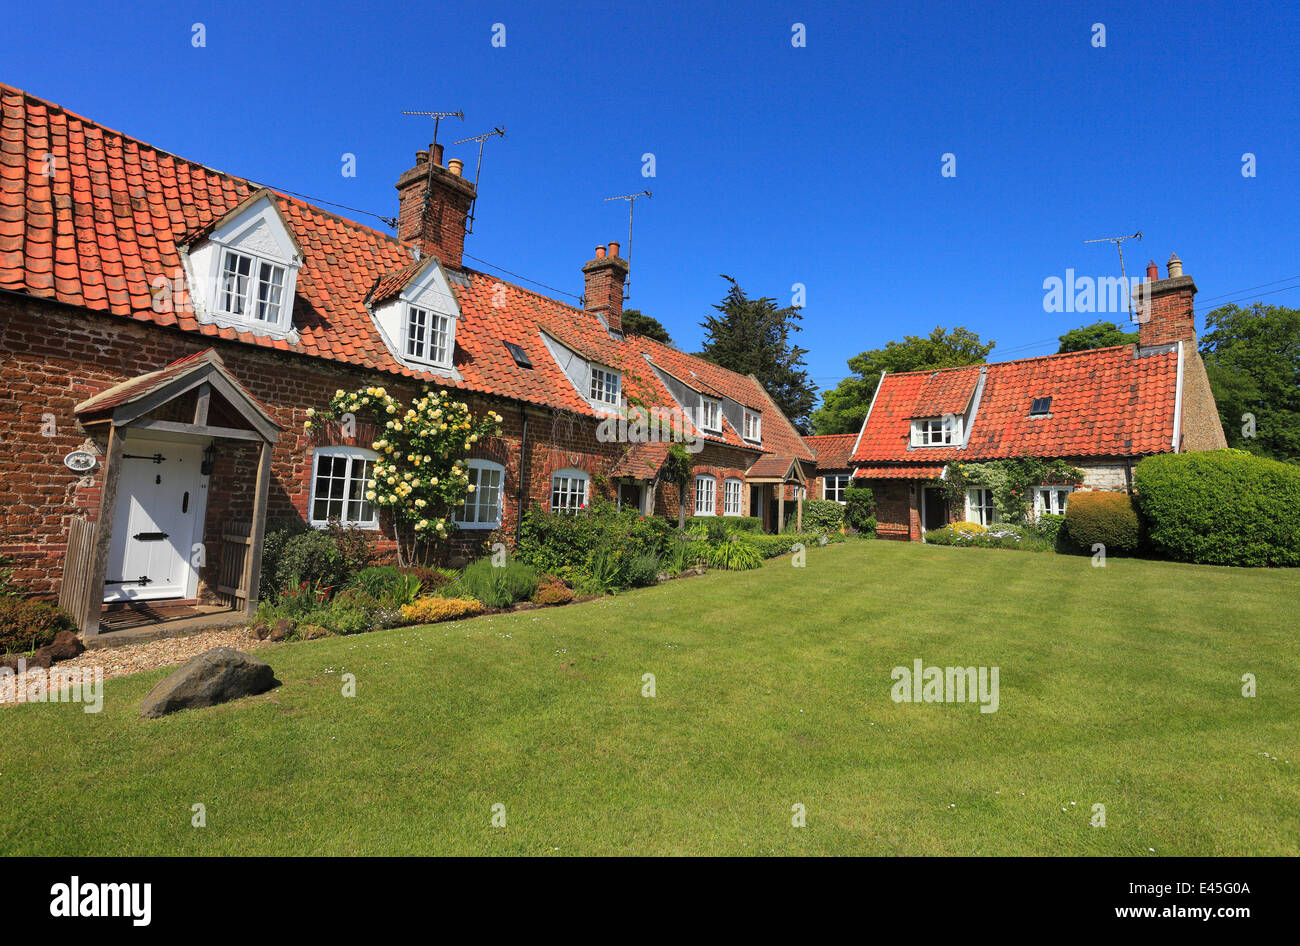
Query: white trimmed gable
[(419, 324), (244, 274), (580, 373)]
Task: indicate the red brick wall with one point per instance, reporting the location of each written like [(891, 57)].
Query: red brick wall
[(53, 357)]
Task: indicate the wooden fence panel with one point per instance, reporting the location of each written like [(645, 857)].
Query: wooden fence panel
[(76, 596)]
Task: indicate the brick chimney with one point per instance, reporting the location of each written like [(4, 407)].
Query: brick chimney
[(1164, 307), (605, 276), (434, 204)]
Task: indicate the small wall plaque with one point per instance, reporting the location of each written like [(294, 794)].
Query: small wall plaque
[(80, 461)]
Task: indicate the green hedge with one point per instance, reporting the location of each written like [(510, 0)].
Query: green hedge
[(1102, 517), (1225, 507), (822, 515), (860, 509), (730, 523), (571, 545)]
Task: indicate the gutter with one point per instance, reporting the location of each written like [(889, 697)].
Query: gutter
[(1178, 402)]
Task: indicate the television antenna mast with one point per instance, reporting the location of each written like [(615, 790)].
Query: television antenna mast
[(631, 207), (481, 139), (437, 119), (1119, 245)]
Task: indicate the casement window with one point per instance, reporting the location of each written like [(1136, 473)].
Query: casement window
[(482, 507), (936, 431), (834, 485), (569, 491), (251, 289), (340, 479), (731, 497), (606, 386), (980, 507), (1051, 499), (705, 496), (429, 336), (753, 426), (710, 415)]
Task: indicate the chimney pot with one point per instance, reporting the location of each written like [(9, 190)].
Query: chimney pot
[(433, 207), (435, 152), (1175, 266), (600, 252), (613, 249), (455, 166), (1153, 272), (421, 157)]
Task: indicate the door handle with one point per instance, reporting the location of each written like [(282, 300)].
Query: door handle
[(185, 502)]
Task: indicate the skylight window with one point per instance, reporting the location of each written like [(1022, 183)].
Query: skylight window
[(1041, 407), (518, 354)]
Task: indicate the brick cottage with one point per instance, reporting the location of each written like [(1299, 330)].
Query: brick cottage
[(164, 329), (1101, 411)]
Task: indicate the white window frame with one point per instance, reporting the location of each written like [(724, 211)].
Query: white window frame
[(469, 515), (732, 497), (753, 426), (605, 386), (981, 508), (434, 325), (705, 404), (574, 492), (934, 432), (706, 495), (354, 456), (249, 301), (1051, 499), (839, 489)]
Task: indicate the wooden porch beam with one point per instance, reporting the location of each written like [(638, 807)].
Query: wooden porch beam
[(104, 530), (253, 566), (197, 430)]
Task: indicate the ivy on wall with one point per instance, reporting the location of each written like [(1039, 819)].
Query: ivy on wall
[(1011, 480)]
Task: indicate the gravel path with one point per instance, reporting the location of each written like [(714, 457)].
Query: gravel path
[(149, 655)]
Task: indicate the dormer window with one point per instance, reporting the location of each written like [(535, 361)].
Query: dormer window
[(251, 288), (753, 426), (606, 386), (429, 336), (243, 270), (936, 431), (711, 415)]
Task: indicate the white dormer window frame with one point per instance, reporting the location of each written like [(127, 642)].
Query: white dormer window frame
[(244, 273), (936, 431), (753, 426), (605, 387), (428, 336), (710, 414)]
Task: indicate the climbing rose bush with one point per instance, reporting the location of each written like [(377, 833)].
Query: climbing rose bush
[(421, 474)]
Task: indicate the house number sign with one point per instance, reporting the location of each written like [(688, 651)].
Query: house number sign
[(80, 461)]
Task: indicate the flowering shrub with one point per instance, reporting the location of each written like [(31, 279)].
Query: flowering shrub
[(1011, 480), (420, 475), (550, 590), (432, 610)]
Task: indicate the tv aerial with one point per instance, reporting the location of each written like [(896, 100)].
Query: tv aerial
[(1119, 245), (481, 139), (631, 207)]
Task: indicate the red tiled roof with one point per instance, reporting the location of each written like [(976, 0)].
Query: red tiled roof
[(832, 450), (642, 460), (115, 215), (1107, 402), (908, 471)]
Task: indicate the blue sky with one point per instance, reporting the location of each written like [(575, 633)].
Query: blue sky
[(774, 164)]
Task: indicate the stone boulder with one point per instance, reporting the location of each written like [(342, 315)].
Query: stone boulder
[(65, 646), (215, 676), (282, 630)]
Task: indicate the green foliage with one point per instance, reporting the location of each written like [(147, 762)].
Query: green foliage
[(636, 322), (1012, 481), (1003, 536), (767, 546), (1101, 517), (1097, 335), (679, 554), (860, 509), (565, 544), (1252, 357), (754, 336), (1225, 507), (431, 578), (642, 570), (1050, 527), (845, 407), (699, 525), (26, 623), (8, 586), (733, 555), (499, 586), (291, 553), (823, 515), (312, 557)]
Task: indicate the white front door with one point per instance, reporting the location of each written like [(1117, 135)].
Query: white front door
[(160, 503)]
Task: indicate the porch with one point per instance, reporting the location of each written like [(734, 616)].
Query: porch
[(176, 543)]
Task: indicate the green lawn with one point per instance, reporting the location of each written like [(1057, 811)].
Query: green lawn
[(1118, 685)]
